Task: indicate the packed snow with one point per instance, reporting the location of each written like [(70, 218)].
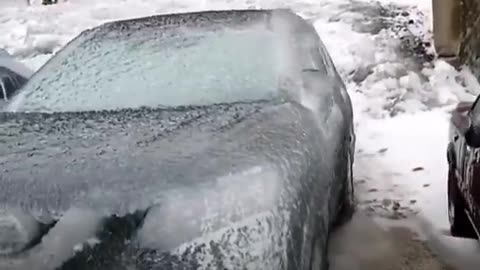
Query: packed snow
[(402, 94)]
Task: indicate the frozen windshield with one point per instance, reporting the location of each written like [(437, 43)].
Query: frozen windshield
[(119, 70)]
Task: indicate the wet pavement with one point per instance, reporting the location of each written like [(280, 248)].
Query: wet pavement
[(362, 244)]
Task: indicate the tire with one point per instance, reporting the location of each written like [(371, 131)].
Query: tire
[(460, 225)]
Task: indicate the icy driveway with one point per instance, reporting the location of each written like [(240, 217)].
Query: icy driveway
[(383, 51)]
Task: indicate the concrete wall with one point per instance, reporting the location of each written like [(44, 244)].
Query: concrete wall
[(447, 30), (470, 44), (456, 30)]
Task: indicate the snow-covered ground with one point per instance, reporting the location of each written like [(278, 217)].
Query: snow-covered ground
[(402, 95)]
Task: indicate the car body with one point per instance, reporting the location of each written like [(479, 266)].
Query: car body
[(215, 139), (13, 75), (463, 154)]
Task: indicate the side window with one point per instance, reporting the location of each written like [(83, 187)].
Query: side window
[(475, 113)]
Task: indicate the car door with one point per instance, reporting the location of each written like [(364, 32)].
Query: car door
[(459, 118), (460, 160), (471, 183)]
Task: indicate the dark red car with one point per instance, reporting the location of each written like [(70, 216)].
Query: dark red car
[(463, 154)]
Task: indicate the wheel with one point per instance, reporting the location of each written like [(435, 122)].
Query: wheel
[(460, 225)]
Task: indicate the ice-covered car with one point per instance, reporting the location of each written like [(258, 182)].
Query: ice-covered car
[(208, 140), (13, 75)]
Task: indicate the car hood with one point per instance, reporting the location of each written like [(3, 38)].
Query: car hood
[(120, 161), (209, 176)]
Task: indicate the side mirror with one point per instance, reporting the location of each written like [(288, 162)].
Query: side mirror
[(468, 128), (461, 120), (472, 136)]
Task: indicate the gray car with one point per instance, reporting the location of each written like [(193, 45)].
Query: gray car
[(207, 140)]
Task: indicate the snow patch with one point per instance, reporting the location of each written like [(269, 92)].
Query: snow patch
[(400, 158)]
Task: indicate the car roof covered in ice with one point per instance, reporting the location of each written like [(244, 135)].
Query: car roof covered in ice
[(251, 54)]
